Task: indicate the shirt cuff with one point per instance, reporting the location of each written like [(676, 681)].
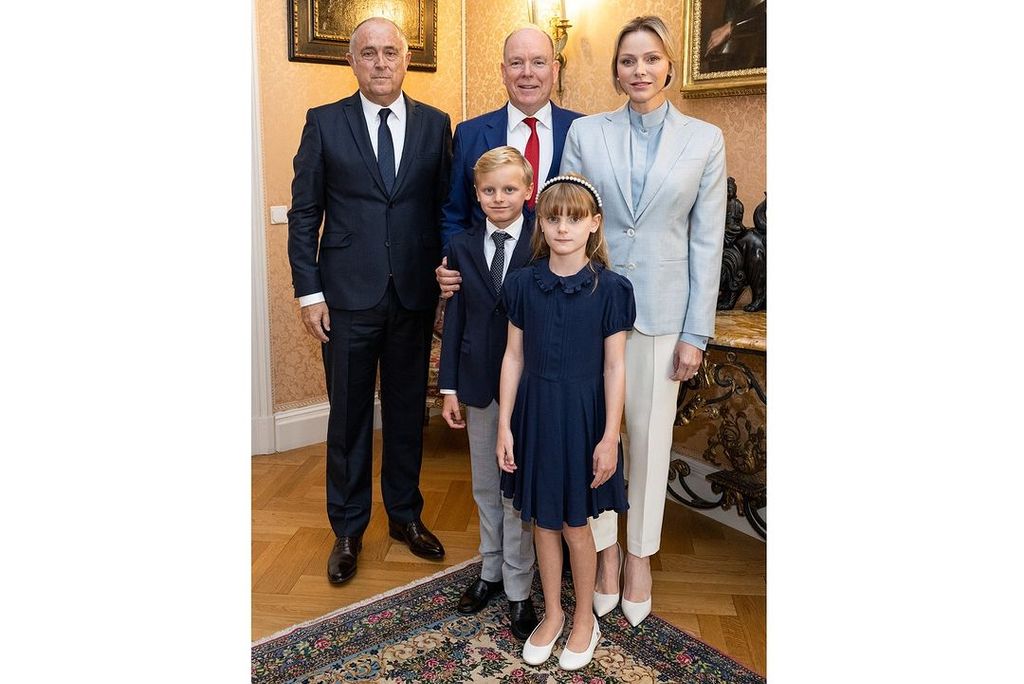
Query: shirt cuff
[(315, 298), (698, 341), (446, 391)]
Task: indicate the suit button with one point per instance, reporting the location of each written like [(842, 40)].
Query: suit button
[(387, 243), (630, 232)]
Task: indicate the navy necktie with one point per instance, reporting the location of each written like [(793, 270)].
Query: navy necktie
[(498, 262), (386, 151)]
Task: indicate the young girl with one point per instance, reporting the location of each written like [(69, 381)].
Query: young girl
[(560, 403)]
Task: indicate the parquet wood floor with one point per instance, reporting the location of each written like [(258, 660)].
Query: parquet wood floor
[(709, 580)]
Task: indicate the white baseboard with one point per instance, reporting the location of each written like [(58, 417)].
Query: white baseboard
[(307, 425), (263, 435), (697, 482)]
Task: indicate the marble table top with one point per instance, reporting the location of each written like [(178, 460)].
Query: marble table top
[(740, 329)]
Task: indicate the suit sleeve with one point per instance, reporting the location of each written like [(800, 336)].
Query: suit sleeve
[(572, 157), (451, 337), (458, 207), (307, 212), (444, 172), (707, 237)]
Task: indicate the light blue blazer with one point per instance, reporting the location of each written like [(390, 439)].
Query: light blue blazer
[(671, 248)]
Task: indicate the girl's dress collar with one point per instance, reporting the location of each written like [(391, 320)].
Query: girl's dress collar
[(569, 284)]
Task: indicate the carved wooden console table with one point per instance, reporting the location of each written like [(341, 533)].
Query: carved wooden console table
[(720, 420)]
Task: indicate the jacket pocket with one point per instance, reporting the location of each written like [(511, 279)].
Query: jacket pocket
[(335, 240)]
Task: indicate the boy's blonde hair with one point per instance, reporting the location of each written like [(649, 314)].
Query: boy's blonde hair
[(654, 25), (574, 201), (502, 156)]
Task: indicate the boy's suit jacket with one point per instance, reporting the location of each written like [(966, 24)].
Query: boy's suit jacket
[(475, 321), (475, 136), (671, 247)]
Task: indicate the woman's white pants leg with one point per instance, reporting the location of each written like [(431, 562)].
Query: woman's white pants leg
[(650, 415)]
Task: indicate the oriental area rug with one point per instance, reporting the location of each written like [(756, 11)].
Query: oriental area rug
[(414, 634)]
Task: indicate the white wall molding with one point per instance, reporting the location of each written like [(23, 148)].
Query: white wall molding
[(301, 427), (262, 387), (699, 470)]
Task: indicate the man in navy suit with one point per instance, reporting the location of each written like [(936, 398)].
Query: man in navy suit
[(475, 331), (374, 168), (529, 122)]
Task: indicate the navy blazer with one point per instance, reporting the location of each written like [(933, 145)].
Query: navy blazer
[(368, 235), (475, 136), (475, 320)]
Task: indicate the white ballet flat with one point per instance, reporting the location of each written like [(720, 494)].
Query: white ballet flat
[(570, 660), (605, 603), (636, 612), (536, 655)]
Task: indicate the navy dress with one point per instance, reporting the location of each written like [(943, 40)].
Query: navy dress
[(559, 413)]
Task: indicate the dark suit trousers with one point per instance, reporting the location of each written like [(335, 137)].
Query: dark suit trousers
[(399, 339)]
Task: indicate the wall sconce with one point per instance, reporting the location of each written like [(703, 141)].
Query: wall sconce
[(559, 29)]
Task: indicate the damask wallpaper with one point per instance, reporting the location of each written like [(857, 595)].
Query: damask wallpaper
[(287, 89)]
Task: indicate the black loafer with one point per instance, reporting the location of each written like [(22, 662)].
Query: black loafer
[(523, 618), (341, 566), (477, 594), (421, 542)]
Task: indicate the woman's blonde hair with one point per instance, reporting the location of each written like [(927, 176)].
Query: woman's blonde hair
[(646, 23), (566, 198)]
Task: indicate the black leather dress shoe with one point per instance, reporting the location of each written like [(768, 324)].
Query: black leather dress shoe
[(341, 566), (477, 594), (523, 618), (421, 542)]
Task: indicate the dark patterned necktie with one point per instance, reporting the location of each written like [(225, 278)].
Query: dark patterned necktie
[(386, 151), (498, 262)]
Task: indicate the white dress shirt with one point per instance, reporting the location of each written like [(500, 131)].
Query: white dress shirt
[(518, 133), (396, 122), (513, 231)]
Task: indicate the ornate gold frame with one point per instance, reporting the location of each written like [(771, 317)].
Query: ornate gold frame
[(308, 44), (712, 84)]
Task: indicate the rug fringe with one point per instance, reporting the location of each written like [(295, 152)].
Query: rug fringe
[(360, 604)]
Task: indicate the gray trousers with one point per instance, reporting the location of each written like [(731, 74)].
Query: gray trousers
[(506, 543)]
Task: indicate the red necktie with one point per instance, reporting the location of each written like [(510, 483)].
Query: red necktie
[(532, 155)]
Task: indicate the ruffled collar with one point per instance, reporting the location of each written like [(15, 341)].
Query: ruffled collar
[(569, 284)]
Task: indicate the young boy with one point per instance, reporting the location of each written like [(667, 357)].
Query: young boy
[(475, 329)]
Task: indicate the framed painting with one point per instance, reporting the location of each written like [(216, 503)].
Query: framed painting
[(321, 29), (724, 47)]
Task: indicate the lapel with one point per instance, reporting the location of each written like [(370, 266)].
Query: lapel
[(521, 254), (479, 234), (357, 125), (616, 140), (560, 122), (496, 129), (413, 134), (674, 137)]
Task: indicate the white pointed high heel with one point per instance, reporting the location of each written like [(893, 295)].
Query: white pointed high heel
[(570, 660), (636, 612), (605, 603), (536, 655)]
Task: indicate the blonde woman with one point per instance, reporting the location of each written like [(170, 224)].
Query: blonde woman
[(663, 180)]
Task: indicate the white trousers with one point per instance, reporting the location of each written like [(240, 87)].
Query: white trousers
[(650, 415)]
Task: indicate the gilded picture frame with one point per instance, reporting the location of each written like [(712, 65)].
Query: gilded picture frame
[(724, 48), (320, 30)]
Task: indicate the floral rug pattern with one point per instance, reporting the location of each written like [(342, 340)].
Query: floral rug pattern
[(414, 634)]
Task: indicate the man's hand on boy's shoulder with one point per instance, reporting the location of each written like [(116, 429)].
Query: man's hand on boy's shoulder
[(448, 279)]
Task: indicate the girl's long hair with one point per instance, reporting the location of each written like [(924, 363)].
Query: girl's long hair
[(574, 201)]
